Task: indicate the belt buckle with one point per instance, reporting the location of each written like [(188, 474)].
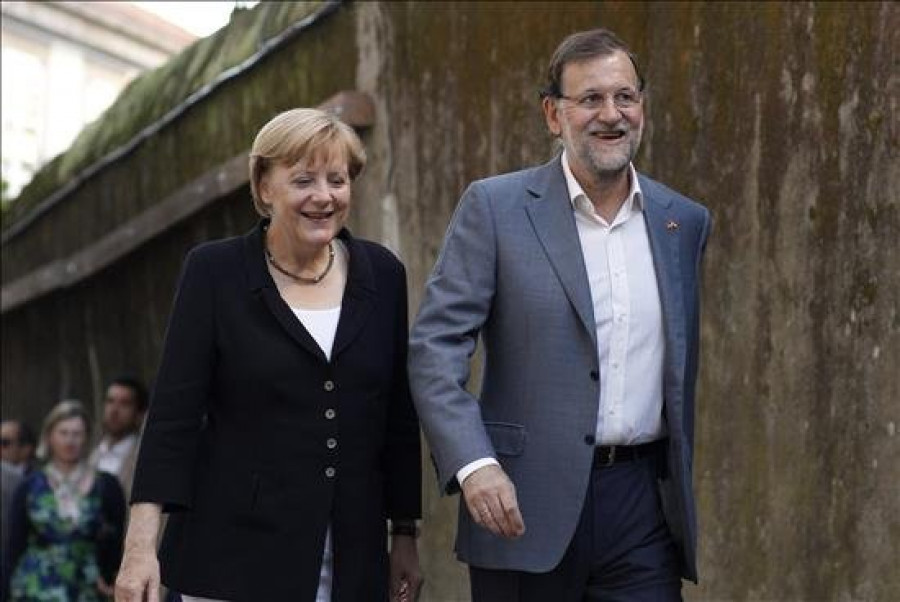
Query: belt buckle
[(612, 457)]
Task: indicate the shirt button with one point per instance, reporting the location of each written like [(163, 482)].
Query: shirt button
[(330, 414), (331, 443), (589, 439), (329, 472), (329, 385), (595, 376)]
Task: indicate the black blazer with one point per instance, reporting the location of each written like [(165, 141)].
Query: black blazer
[(255, 442)]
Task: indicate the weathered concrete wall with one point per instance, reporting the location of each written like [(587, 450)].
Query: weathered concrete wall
[(781, 118)]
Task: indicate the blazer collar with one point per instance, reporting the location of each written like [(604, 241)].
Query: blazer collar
[(653, 192), (359, 273), (357, 302), (548, 180), (551, 215), (664, 232), (553, 220)]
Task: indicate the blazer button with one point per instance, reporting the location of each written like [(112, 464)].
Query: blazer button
[(331, 443), (589, 439), (330, 414), (329, 472), (595, 376), (329, 385)]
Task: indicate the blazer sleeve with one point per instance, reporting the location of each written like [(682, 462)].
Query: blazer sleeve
[(456, 304), (403, 455), (166, 461)]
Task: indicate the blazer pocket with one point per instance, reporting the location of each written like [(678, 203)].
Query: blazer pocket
[(508, 439), (258, 508)]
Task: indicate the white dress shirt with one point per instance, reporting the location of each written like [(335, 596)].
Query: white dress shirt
[(628, 317), (627, 313), (109, 457)]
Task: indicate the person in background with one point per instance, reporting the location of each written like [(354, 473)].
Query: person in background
[(281, 436), (582, 275), (123, 415), (18, 445), (66, 519), (10, 480)]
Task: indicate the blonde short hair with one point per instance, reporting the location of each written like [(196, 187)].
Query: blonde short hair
[(297, 134), (64, 410)]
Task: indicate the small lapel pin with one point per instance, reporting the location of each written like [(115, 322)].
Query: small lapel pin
[(671, 225)]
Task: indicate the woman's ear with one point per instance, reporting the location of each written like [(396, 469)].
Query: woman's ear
[(263, 191)]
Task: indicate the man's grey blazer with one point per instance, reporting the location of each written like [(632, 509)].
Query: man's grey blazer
[(512, 270)]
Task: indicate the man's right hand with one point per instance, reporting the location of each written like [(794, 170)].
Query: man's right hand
[(491, 499)]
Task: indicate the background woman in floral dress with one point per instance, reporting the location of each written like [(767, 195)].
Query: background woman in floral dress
[(66, 520)]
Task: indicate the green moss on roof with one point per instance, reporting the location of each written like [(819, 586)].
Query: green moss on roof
[(153, 94)]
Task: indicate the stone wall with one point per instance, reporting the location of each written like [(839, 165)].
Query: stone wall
[(782, 119)]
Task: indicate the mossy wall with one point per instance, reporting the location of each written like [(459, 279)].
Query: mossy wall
[(207, 134), (780, 117)]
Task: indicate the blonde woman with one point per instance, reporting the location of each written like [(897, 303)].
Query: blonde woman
[(66, 519), (281, 437)]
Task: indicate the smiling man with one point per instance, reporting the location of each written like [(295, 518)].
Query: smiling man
[(582, 278)]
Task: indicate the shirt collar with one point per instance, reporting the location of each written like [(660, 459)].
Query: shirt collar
[(121, 447), (635, 200)]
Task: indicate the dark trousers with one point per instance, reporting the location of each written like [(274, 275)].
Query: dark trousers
[(622, 550)]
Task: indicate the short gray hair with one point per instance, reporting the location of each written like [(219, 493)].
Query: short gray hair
[(583, 46)]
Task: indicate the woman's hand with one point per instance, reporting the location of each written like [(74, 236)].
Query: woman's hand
[(406, 578), (139, 573), (105, 589)]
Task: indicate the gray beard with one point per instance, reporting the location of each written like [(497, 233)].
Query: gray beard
[(606, 169)]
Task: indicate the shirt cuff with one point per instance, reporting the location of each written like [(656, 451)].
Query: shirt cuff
[(471, 467)]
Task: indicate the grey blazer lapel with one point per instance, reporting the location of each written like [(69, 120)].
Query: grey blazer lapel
[(663, 230), (551, 215)]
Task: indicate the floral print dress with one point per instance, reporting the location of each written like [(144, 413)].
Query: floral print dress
[(59, 562)]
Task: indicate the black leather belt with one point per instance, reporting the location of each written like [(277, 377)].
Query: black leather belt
[(607, 455)]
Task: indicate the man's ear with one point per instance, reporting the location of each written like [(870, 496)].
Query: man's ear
[(551, 115)]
